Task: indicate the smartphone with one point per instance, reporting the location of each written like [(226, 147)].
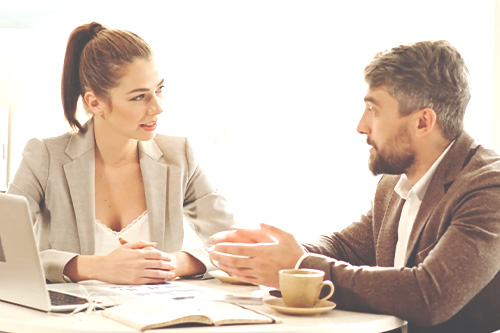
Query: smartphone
[(275, 293)]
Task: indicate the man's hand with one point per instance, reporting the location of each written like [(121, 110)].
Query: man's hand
[(242, 235), (256, 255)]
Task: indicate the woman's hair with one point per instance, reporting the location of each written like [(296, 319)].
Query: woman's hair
[(94, 61), (425, 74)]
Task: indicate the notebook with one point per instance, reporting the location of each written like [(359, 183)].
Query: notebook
[(22, 280)]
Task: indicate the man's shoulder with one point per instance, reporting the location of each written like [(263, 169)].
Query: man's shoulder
[(487, 155), (483, 164)]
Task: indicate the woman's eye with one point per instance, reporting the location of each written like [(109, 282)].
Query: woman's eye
[(160, 89), (138, 98)]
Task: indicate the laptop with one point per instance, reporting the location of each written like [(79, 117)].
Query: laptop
[(22, 280)]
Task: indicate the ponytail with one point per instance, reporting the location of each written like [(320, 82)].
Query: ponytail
[(71, 88)]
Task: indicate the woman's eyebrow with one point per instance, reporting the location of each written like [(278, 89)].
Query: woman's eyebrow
[(144, 89)]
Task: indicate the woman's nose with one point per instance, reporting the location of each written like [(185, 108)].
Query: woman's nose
[(155, 107)]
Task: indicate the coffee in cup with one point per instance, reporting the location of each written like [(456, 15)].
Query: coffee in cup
[(301, 288)]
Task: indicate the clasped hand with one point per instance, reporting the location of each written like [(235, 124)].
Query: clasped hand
[(137, 263)]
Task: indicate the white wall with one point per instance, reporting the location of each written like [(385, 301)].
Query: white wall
[(269, 91)]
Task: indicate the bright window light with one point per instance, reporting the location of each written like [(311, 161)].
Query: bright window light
[(269, 92)]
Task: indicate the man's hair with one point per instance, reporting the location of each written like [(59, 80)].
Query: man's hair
[(425, 74)]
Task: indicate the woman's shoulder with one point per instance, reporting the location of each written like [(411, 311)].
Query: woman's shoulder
[(174, 148), (62, 147), (171, 144), (37, 142), (163, 139)]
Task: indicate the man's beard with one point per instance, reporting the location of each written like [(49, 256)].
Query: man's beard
[(395, 159)]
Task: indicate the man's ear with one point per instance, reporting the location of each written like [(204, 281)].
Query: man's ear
[(95, 106), (427, 121)]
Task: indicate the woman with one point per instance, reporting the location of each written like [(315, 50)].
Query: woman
[(108, 199)]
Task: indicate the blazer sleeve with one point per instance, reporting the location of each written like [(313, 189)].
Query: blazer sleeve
[(31, 177), (31, 181), (447, 275), (354, 244)]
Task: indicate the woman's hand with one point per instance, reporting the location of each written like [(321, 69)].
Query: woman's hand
[(131, 263), (186, 264)]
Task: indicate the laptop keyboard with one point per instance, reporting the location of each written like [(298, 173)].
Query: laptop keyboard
[(57, 298)]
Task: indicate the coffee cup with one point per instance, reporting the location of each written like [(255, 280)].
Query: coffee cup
[(301, 288)]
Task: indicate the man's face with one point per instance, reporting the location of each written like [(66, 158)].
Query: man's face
[(387, 132)]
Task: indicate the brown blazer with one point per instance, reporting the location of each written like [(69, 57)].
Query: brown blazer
[(451, 281), (56, 175)]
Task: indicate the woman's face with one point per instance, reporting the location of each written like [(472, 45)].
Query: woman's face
[(134, 105)]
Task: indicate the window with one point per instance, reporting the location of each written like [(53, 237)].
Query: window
[(270, 92)]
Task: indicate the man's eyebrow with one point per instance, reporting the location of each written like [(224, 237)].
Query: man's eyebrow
[(144, 89), (370, 100)]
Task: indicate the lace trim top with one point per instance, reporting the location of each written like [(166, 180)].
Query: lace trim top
[(106, 239)]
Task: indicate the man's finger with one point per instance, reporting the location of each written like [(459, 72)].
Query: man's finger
[(241, 249), (229, 261), (254, 235), (273, 231), (223, 236)]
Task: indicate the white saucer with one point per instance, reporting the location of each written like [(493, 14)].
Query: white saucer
[(224, 277), (320, 307)]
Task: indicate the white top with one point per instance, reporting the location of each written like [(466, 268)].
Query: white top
[(106, 240), (413, 196)]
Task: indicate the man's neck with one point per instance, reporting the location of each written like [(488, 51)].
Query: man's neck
[(425, 157)]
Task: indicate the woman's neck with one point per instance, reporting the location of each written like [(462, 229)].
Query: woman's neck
[(115, 150)]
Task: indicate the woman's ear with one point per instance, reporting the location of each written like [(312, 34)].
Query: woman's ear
[(94, 105)]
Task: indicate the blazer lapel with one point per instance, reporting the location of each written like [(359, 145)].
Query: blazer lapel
[(154, 176), (80, 177), (388, 235), (445, 174)]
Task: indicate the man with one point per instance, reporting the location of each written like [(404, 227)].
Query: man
[(428, 250)]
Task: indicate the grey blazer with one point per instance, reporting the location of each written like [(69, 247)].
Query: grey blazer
[(56, 175), (451, 281)]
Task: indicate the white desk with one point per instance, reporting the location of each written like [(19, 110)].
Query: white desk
[(15, 318)]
